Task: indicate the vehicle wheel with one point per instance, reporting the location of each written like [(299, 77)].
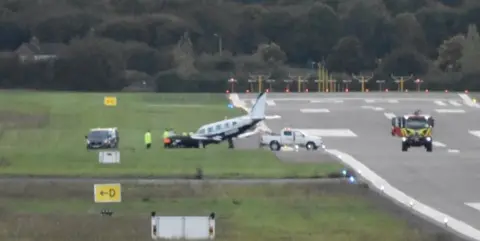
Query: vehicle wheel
[(274, 146), (404, 146), (311, 146), (429, 147)]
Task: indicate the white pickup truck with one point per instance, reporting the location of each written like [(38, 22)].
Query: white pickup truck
[(291, 137)]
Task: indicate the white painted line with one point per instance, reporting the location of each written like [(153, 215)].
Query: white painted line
[(387, 189), (378, 109), (453, 151), (450, 110), (326, 101), (475, 133), (468, 101), (314, 110), (270, 103), (369, 101), (474, 205), (389, 115), (454, 103), (330, 132), (441, 103), (438, 144), (367, 107), (393, 101)]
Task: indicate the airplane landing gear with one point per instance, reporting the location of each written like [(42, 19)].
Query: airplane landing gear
[(230, 143)]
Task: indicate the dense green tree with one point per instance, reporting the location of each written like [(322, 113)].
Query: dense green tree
[(195, 45)]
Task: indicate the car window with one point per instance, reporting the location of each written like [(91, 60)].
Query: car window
[(97, 135), (287, 133), (299, 134)]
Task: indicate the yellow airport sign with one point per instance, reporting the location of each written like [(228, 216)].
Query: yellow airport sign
[(107, 193), (110, 101)]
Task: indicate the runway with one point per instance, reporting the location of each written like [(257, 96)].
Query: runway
[(360, 125)]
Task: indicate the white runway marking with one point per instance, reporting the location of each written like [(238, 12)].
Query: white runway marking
[(270, 103), (389, 190), (389, 115), (326, 101), (314, 110), (438, 144), (453, 151), (475, 133), (393, 101), (440, 103), (330, 132), (372, 108), (450, 111), (454, 103), (474, 205), (370, 101)]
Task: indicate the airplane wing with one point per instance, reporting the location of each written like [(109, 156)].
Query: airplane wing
[(199, 137), (247, 134)]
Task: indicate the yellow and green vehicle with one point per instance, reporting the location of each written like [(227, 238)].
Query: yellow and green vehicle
[(415, 131)]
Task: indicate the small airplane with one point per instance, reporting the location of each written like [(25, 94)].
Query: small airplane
[(228, 129)]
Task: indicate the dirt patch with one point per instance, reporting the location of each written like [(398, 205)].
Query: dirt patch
[(17, 120)]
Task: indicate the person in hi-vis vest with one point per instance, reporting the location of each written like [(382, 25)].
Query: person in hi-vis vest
[(166, 140), (148, 139)]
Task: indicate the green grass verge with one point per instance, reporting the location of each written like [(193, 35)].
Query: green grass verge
[(43, 134), (262, 212)]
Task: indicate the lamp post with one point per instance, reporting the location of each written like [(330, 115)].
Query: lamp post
[(380, 84), (232, 82), (346, 84), (270, 82)]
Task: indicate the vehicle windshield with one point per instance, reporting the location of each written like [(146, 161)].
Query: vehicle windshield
[(416, 123), (98, 135)]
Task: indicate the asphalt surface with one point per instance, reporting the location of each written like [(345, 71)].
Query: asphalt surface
[(445, 179)]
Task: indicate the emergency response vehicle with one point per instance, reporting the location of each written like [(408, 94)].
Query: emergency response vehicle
[(397, 121), (416, 131)]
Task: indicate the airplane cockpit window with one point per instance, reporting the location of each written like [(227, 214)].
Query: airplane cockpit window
[(201, 131), (234, 123), (287, 133), (210, 129), (218, 127)]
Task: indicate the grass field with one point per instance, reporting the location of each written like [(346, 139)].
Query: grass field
[(263, 212), (43, 134)]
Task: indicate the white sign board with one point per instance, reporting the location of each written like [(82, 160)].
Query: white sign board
[(109, 157), (183, 227)]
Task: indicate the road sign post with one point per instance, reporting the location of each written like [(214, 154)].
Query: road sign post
[(110, 101), (380, 84), (107, 193)]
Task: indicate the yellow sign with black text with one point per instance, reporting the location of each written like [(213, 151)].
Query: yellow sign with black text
[(110, 101), (107, 193)]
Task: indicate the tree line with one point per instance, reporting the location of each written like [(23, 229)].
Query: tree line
[(197, 45)]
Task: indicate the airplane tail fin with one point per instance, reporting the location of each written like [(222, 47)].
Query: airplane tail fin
[(258, 109)]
